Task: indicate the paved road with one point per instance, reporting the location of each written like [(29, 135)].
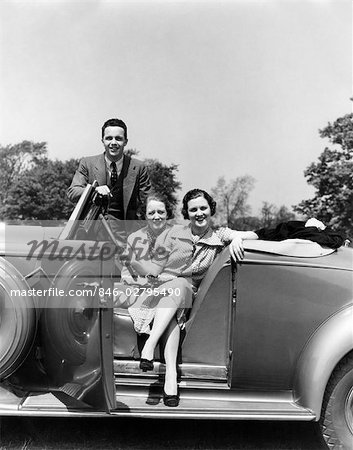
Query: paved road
[(134, 434)]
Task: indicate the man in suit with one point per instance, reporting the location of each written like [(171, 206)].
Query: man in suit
[(125, 180)]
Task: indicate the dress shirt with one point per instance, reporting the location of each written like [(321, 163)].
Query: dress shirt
[(119, 166)]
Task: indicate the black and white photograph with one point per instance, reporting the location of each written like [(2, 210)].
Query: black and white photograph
[(176, 224)]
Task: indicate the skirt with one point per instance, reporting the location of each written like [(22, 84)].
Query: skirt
[(176, 293)]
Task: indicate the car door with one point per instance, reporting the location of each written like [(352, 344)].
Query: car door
[(76, 324), (77, 319)]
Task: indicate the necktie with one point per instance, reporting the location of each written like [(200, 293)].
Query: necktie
[(114, 174)]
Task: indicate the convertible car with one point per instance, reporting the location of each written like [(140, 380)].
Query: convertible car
[(270, 338)]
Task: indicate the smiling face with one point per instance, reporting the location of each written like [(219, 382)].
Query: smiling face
[(114, 142), (199, 212), (156, 215)]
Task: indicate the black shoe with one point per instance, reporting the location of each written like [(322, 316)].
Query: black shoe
[(171, 400), (146, 364)]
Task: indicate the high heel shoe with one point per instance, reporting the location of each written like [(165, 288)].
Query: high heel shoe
[(146, 364), (171, 400)]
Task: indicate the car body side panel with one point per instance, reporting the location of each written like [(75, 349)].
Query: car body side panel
[(207, 337), (279, 307), (332, 341)]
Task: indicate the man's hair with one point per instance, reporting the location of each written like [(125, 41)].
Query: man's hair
[(160, 198), (114, 123), (195, 193)]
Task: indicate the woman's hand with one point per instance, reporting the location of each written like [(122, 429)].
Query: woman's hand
[(236, 248)]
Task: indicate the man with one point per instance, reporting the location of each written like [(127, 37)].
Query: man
[(125, 180)]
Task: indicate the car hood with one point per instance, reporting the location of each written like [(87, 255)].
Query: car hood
[(15, 239)]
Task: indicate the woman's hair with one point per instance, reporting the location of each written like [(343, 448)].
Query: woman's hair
[(160, 198), (194, 193)]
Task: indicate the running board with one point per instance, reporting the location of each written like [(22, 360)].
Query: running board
[(206, 401), (196, 403)]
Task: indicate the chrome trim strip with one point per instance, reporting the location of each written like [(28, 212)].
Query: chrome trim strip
[(266, 262), (162, 414), (216, 416), (52, 413)]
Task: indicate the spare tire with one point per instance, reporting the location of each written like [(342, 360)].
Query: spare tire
[(17, 319), (67, 320)]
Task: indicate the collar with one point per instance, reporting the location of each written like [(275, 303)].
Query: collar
[(210, 238), (119, 163), (184, 232)]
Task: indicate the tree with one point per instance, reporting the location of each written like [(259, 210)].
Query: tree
[(272, 216), (247, 223), (14, 160), (40, 192), (268, 214), (232, 199), (332, 177), (284, 215), (163, 180)]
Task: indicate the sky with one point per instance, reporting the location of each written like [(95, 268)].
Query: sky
[(220, 88)]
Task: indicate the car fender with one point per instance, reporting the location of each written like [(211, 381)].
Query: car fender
[(328, 345)]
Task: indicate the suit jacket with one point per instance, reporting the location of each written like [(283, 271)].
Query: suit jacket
[(136, 183)]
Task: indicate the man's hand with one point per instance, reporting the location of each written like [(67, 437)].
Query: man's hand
[(236, 248), (103, 190)]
